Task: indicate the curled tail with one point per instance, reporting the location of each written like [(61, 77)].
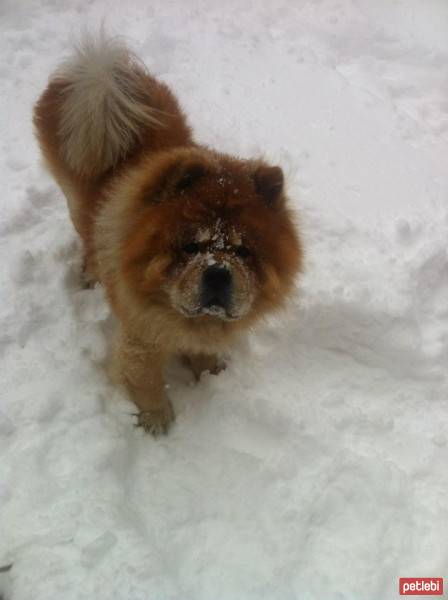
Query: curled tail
[(104, 105)]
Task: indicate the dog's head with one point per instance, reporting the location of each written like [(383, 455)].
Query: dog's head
[(212, 237)]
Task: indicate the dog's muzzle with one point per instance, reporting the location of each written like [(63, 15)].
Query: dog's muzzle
[(216, 289)]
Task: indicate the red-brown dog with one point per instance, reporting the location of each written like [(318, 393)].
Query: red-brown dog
[(192, 246)]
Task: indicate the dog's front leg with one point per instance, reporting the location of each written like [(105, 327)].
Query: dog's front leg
[(141, 368)]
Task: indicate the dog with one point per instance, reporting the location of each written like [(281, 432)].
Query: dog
[(192, 246)]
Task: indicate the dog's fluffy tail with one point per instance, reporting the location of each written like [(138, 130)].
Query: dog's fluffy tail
[(105, 105)]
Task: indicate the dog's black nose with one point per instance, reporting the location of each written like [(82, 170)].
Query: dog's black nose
[(216, 287)]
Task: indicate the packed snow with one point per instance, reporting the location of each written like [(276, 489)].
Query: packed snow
[(315, 466)]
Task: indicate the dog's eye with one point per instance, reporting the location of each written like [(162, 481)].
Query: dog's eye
[(191, 248), (242, 251)]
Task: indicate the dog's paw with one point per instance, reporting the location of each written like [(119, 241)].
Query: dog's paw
[(201, 363), (156, 421), (88, 279)]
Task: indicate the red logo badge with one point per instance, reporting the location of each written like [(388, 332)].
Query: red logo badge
[(421, 586)]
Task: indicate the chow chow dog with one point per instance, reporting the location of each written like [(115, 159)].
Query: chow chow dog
[(192, 246)]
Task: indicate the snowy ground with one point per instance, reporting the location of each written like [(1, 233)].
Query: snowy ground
[(315, 467)]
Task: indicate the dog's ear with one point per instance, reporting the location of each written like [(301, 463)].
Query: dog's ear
[(175, 177), (269, 183), (188, 174)]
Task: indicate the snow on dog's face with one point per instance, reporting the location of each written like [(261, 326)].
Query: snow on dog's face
[(213, 277), (213, 238)]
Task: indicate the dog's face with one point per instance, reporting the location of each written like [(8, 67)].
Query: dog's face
[(213, 240), (212, 275)]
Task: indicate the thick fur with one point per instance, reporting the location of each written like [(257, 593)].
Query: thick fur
[(105, 106), (154, 210)]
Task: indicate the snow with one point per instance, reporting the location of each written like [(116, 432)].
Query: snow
[(315, 465)]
